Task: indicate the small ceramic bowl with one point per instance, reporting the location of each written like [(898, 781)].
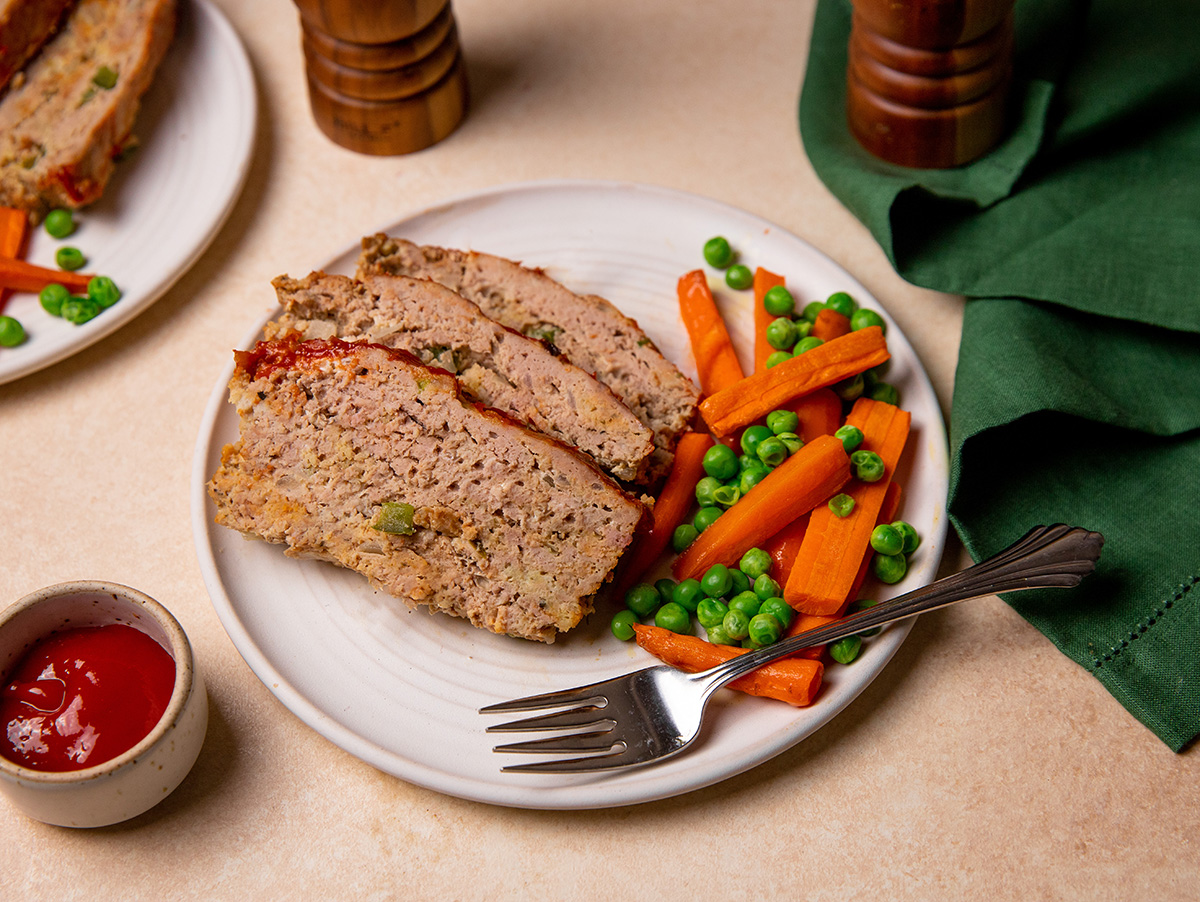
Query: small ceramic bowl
[(137, 780)]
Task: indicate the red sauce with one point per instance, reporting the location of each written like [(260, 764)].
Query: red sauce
[(83, 696)]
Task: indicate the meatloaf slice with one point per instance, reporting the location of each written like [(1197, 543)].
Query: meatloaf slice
[(494, 365), (588, 329), (24, 27), (358, 454), (61, 129)]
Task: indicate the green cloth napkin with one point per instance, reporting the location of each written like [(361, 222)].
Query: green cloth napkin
[(1077, 393)]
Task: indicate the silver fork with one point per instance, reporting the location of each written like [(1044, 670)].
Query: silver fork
[(656, 713)]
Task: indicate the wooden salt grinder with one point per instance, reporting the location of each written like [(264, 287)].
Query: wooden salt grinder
[(385, 77), (927, 80)]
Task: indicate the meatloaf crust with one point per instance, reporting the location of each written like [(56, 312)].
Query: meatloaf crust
[(24, 27), (494, 365), (63, 127), (510, 529), (589, 330)]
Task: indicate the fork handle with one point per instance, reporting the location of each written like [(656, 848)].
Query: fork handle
[(1047, 556)]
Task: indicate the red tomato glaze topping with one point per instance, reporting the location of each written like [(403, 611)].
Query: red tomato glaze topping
[(83, 696)]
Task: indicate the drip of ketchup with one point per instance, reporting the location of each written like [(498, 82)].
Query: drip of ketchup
[(82, 696)]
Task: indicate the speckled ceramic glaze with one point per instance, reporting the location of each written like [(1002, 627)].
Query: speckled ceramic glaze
[(133, 782)]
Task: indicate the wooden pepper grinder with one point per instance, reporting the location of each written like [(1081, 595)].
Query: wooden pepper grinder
[(927, 80), (384, 77)]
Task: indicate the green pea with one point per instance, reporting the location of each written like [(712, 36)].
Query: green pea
[(778, 301), (643, 599), (70, 258), (791, 441), (746, 602), (665, 587), (687, 594), (12, 333), (79, 310), (764, 629), (705, 488), (850, 389), (766, 586), (683, 536), (748, 462), (751, 477), (59, 223), (52, 297), (861, 605), (717, 252), (868, 466), (705, 517), (842, 303), (752, 435), (720, 462), (716, 581), (807, 344), (811, 309), (845, 650), (912, 539), (842, 505), (739, 277), (777, 357), (103, 291), (711, 612), (803, 328), (781, 333), (783, 421), (885, 392), (755, 563), (622, 624), (851, 437), (772, 451), (736, 624), (886, 540), (673, 617), (779, 609), (738, 581), (862, 318), (718, 636), (890, 568), (726, 496)]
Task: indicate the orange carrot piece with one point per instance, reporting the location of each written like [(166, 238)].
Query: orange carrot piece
[(14, 230), (673, 503), (792, 680), (887, 513), (802, 623), (830, 324), (808, 477), (729, 409), (764, 281), (820, 413), (833, 548), (783, 547), (712, 348), (21, 276)]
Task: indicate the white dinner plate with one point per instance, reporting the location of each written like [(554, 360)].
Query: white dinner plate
[(166, 202), (401, 688)]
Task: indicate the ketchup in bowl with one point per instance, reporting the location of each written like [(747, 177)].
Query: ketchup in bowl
[(83, 696)]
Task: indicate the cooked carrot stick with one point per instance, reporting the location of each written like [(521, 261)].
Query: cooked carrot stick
[(807, 478), (820, 413), (783, 547), (764, 281), (834, 547), (887, 513), (792, 680), (21, 276), (14, 229), (672, 505), (716, 359), (740, 404), (830, 324)]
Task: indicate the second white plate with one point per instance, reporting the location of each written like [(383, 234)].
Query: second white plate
[(401, 689)]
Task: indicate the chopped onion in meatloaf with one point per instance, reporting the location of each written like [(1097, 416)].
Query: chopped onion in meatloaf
[(511, 530)]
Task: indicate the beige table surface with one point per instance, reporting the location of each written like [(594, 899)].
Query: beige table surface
[(982, 764)]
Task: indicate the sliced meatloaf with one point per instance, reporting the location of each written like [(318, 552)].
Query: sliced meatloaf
[(589, 330), (494, 365), (358, 454), (24, 27), (63, 126)]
